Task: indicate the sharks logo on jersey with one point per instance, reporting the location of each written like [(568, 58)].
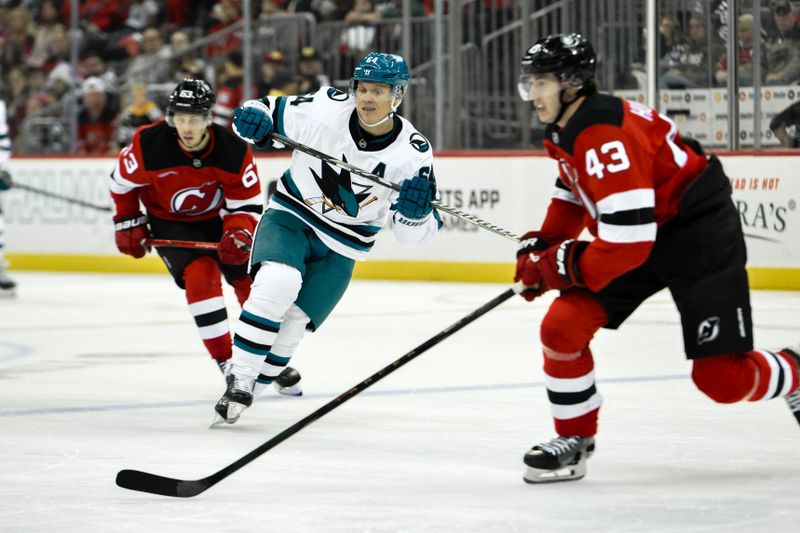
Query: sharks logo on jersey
[(337, 190)]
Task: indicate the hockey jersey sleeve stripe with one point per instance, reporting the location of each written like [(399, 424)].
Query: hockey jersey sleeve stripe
[(562, 192), (277, 115), (627, 217), (120, 185), (239, 205)]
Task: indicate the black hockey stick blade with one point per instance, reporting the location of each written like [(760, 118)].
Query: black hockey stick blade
[(165, 486), (178, 488)]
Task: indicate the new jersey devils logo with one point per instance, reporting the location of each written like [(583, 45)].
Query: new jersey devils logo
[(197, 200)]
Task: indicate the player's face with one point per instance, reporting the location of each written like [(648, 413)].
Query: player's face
[(373, 101), (543, 91), (190, 128)]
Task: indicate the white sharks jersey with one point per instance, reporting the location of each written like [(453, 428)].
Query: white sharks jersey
[(346, 211)]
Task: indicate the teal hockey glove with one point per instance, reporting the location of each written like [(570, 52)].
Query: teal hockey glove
[(252, 122), (415, 198)]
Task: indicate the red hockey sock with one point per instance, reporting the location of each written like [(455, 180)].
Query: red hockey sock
[(755, 375), (566, 330), (207, 305)]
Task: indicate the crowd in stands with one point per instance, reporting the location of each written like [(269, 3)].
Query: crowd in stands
[(694, 55), (131, 53)]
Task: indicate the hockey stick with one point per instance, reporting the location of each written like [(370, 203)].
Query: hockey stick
[(182, 244), (68, 199), (377, 179), (166, 486)]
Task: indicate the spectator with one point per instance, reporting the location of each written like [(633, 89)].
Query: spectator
[(670, 36), (359, 32), (310, 69), (140, 112), (690, 64), (98, 15), (150, 66), (783, 46), (58, 47), (284, 84), (231, 89), (745, 55), (46, 21), (224, 13), (141, 14), (93, 65), (786, 126), (273, 63), (17, 42), (17, 99), (185, 64), (96, 119)]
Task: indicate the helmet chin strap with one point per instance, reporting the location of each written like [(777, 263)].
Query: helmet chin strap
[(395, 104)]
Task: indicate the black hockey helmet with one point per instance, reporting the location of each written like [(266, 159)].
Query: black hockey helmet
[(569, 56), (193, 97)]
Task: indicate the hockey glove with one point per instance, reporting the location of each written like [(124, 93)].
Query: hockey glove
[(558, 265), (5, 180), (234, 246), (529, 245), (131, 232), (252, 122), (415, 198)]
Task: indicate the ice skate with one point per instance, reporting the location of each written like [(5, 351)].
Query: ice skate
[(237, 398), (561, 459), (794, 398), (287, 383), (7, 285), (221, 409)]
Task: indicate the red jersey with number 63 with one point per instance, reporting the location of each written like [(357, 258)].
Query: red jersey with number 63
[(173, 184), (622, 170)]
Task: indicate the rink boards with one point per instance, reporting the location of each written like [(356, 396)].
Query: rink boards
[(509, 190)]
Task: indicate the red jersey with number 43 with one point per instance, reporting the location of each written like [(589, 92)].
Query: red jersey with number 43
[(622, 170), (220, 180)]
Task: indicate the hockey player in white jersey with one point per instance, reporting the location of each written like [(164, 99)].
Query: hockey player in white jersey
[(7, 285), (322, 219)]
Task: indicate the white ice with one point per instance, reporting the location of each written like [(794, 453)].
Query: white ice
[(104, 372)]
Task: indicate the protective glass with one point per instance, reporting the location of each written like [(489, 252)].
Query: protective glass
[(184, 120)]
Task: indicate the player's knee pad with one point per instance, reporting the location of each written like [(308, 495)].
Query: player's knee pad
[(570, 323), (201, 277), (726, 378), (274, 289), (292, 330)]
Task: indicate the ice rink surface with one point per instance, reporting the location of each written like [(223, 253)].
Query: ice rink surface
[(101, 372)]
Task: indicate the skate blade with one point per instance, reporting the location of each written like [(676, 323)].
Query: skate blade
[(234, 412), (218, 421), (294, 390), (568, 473)]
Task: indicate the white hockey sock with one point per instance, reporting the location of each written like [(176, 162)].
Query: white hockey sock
[(284, 345), (274, 289)]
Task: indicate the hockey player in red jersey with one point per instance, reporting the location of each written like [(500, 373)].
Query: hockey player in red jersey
[(661, 215), (197, 181)]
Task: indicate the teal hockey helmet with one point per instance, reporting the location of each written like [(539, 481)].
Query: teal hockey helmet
[(376, 67)]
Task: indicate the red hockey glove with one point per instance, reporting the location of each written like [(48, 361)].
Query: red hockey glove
[(234, 246), (529, 245), (131, 232), (558, 265)]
